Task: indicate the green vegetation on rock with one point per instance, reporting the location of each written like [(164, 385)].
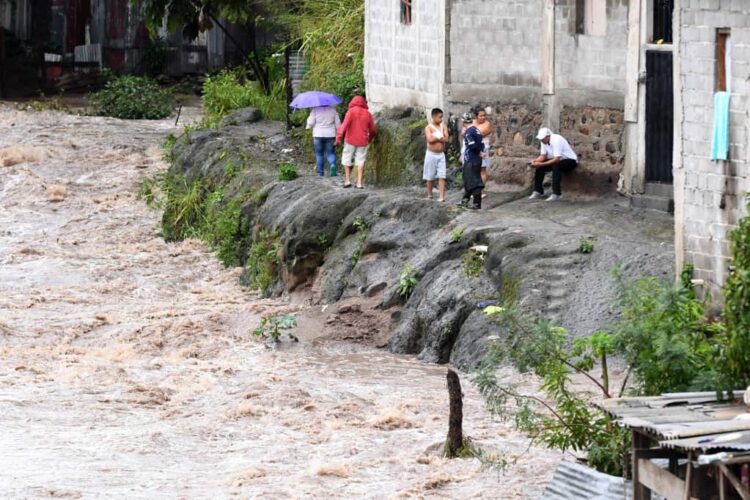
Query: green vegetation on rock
[(288, 172), (262, 265), (132, 97), (192, 210), (230, 90), (407, 281), (586, 245), (473, 263)]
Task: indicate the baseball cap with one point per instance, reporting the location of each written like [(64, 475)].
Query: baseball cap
[(467, 117), (543, 132)]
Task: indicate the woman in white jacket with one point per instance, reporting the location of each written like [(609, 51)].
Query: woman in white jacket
[(324, 122)]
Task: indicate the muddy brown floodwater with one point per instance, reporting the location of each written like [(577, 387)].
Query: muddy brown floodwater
[(127, 367)]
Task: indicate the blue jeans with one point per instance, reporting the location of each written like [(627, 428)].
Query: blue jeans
[(323, 147)]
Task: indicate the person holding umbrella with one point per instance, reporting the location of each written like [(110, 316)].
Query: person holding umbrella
[(324, 121)]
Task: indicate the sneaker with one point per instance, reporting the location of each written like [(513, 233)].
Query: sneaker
[(535, 195), (475, 206), (554, 197), (463, 203)]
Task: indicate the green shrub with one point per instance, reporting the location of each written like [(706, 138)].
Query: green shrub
[(473, 263), (665, 337), (132, 97), (586, 245), (457, 234), (230, 90), (149, 190), (192, 210), (407, 281), (261, 267), (736, 367), (288, 172), (271, 328)]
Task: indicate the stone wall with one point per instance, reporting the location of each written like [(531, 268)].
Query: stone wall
[(594, 133), (404, 64), (709, 196)]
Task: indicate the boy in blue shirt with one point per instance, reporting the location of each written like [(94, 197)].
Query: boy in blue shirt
[(472, 170)]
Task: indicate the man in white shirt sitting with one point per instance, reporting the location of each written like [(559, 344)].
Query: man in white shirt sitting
[(555, 156)]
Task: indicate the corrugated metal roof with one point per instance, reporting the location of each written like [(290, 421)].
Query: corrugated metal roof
[(574, 481), (727, 440), (684, 417)]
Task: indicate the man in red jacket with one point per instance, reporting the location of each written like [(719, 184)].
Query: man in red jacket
[(357, 131)]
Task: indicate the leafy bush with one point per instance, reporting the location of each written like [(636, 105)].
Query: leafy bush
[(132, 97), (407, 281), (288, 172), (665, 337), (473, 263), (586, 245), (261, 267), (192, 210), (457, 234), (271, 328), (736, 367), (230, 90)]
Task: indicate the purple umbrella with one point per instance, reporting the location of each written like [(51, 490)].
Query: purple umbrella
[(313, 99)]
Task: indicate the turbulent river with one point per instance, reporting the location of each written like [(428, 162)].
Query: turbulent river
[(128, 368)]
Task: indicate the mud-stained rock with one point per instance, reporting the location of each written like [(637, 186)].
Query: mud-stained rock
[(433, 316), (242, 116)]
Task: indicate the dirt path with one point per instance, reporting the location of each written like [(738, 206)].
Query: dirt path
[(127, 368)]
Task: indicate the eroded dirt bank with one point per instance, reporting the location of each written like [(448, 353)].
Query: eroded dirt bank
[(127, 368)]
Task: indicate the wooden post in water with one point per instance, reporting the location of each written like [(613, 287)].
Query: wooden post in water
[(455, 439)]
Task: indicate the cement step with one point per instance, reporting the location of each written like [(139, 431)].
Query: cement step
[(651, 202), (657, 189)]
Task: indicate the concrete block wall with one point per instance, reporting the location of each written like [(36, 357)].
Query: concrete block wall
[(404, 64), (495, 51), (589, 69), (713, 196)]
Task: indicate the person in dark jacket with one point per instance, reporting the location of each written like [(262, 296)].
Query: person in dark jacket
[(472, 169), (357, 132)]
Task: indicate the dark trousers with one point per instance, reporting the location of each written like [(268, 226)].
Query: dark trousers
[(473, 195), (323, 147), (557, 169)]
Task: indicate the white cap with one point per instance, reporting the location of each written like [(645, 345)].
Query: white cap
[(543, 132)]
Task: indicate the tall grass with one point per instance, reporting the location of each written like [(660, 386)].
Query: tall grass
[(229, 90), (331, 34)]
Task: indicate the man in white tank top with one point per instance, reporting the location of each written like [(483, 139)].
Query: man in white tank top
[(435, 166)]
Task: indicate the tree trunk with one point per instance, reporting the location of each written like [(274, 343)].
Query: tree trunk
[(455, 422)]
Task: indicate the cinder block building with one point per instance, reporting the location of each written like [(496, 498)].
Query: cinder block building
[(559, 63), (712, 43)]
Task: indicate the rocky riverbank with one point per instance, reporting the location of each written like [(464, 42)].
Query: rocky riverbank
[(312, 238)]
